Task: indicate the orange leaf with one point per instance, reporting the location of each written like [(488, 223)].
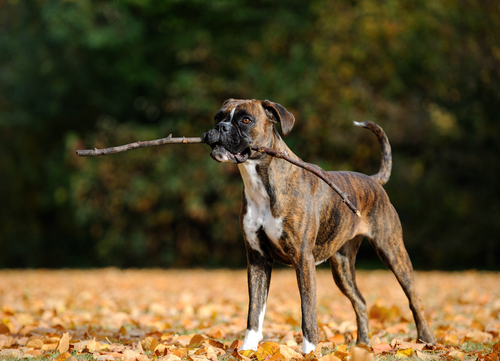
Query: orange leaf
[(3, 328), (381, 347), (196, 341), (337, 339), (329, 357), (63, 356), (278, 357)]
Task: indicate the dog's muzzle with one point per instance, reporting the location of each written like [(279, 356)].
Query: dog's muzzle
[(228, 144)]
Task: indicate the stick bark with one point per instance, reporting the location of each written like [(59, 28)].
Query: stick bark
[(316, 170), (151, 143)]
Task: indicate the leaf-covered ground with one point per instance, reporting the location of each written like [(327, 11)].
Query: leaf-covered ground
[(200, 315)]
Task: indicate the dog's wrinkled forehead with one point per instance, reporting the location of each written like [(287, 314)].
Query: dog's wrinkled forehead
[(231, 106)]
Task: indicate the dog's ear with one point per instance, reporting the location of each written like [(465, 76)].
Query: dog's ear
[(278, 113)]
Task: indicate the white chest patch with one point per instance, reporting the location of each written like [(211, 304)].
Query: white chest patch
[(258, 209)]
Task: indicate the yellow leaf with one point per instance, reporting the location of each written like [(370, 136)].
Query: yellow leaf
[(403, 353), (267, 348), (63, 345), (247, 353), (342, 348)]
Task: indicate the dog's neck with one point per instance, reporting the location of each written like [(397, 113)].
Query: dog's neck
[(268, 174)]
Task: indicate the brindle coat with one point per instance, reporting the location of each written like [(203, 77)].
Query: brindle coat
[(291, 216)]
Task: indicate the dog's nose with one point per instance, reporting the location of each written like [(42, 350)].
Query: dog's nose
[(222, 127)]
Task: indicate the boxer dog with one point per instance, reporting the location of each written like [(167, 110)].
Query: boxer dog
[(291, 216)]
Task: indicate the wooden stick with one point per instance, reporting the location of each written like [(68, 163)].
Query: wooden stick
[(316, 170), (151, 143)]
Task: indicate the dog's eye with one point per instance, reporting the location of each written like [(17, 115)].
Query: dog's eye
[(246, 120)]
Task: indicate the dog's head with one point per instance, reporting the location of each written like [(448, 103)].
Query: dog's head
[(241, 123)]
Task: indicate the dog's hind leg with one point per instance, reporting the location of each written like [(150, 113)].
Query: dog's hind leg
[(388, 244), (342, 265), (259, 278)]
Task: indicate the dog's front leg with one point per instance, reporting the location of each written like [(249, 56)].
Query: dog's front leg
[(259, 277), (306, 278)]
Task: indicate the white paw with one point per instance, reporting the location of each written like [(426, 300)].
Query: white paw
[(307, 346), (252, 339)]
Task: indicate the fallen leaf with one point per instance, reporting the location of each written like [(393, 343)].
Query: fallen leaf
[(149, 343), (426, 356), (267, 349), (341, 355), (404, 353), (35, 343), (457, 354), (342, 348), (361, 354), (49, 346), (478, 336), (63, 356), (329, 357), (10, 352), (63, 345), (289, 353), (381, 347), (337, 339), (4, 329), (196, 341)]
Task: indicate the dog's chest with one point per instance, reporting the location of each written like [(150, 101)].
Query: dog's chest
[(258, 216)]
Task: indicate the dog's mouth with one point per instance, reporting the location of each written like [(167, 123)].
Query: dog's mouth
[(221, 154)]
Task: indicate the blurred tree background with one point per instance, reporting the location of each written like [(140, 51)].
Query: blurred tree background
[(83, 74)]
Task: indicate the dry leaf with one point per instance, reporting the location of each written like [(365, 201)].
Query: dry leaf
[(4, 329), (49, 346), (426, 356), (330, 357), (404, 353), (110, 312), (459, 355), (361, 354), (63, 356), (289, 353), (267, 349), (196, 341), (381, 347), (149, 343), (63, 345), (35, 343), (9, 352), (478, 336)]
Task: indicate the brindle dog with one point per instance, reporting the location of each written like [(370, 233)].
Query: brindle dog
[(291, 216)]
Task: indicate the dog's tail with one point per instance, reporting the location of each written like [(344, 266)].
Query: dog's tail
[(382, 177)]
